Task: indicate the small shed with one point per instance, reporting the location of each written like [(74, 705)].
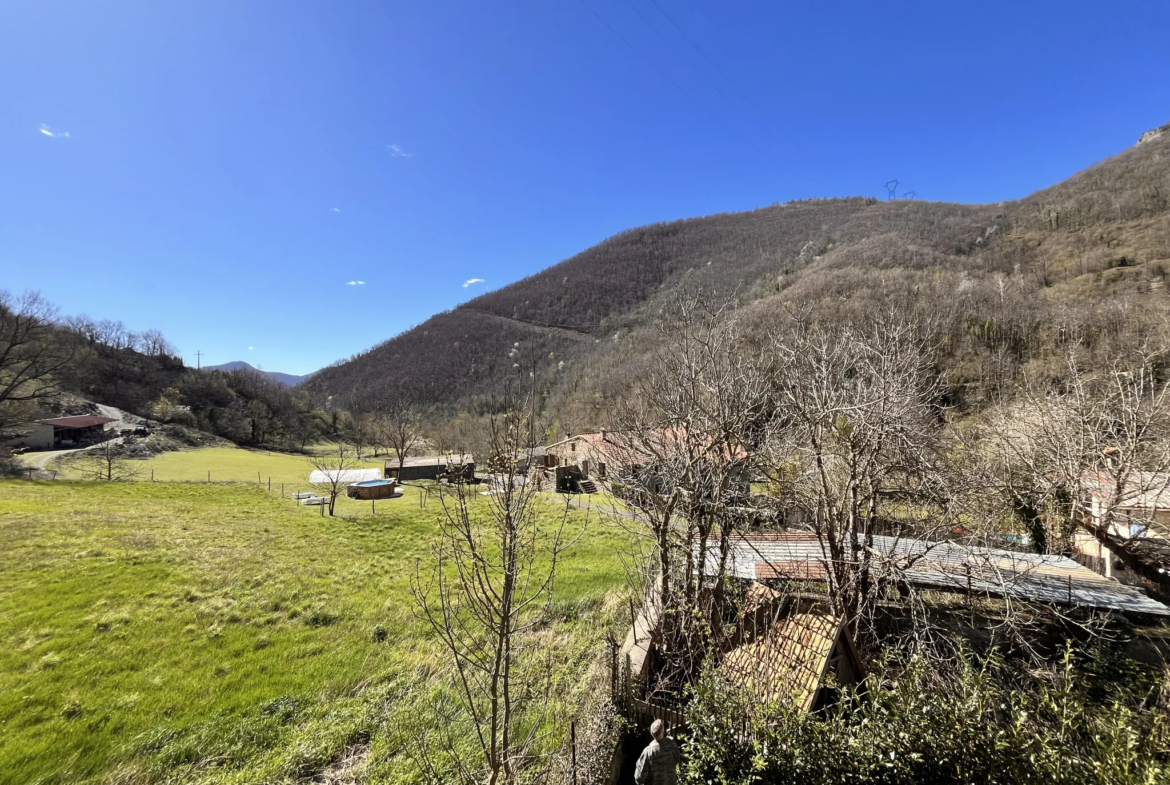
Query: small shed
[(431, 467), (793, 650), (569, 479), (58, 431)]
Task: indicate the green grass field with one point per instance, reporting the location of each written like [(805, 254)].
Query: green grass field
[(225, 464), (187, 632)]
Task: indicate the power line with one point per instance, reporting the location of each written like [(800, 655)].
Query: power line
[(674, 49), (763, 115), (689, 40), (665, 76), (650, 63)]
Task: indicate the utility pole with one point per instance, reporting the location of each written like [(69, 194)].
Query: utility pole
[(198, 358)]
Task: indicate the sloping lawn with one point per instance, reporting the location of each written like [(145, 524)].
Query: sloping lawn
[(205, 633), (225, 464)]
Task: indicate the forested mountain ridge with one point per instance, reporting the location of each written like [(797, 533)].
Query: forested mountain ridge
[(287, 379), (1094, 242)]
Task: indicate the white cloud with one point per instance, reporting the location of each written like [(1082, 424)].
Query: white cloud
[(337, 209), (250, 348), (398, 152), (356, 283), (47, 131), (471, 281)]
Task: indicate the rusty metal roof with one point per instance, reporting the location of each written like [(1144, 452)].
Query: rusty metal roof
[(799, 556), (80, 421)]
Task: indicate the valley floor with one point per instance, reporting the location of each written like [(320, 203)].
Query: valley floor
[(193, 632)]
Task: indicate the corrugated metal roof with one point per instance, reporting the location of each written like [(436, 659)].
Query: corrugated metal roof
[(1139, 490), (432, 460), (80, 421), (947, 565)]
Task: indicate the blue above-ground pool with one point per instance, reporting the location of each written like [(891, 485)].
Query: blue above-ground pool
[(372, 489)]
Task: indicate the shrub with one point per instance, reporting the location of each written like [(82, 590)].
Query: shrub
[(9, 466), (977, 721)]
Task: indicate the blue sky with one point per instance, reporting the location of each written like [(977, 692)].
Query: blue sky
[(223, 170)]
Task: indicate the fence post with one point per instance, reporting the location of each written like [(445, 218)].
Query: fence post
[(321, 507), (152, 475), (209, 475), (573, 742), (269, 483), (613, 670), (629, 677), (258, 480), (373, 510)]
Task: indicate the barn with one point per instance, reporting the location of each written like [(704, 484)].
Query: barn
[(60, 432)]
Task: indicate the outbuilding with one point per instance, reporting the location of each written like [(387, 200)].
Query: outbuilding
[(431, 467), (60, 432)]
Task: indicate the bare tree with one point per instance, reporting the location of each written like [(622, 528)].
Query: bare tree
[(107, 462), (684, 454), (857, 433), (488, 588), (359, 430), (1086, 453), (333, 468), (401, 425), (154, 343), (32, 353), (464, 433)]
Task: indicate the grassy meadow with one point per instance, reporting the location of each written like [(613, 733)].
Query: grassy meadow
[(225, 464), (187, 632)]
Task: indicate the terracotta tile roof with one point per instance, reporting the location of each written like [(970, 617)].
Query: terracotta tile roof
[(791, 571)]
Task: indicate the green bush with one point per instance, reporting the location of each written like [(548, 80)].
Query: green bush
[(975, 722)]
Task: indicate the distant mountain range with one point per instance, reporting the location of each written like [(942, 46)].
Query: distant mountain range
[(276, 376)]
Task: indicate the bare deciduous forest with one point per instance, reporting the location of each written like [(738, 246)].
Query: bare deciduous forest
[(1000, 287)]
